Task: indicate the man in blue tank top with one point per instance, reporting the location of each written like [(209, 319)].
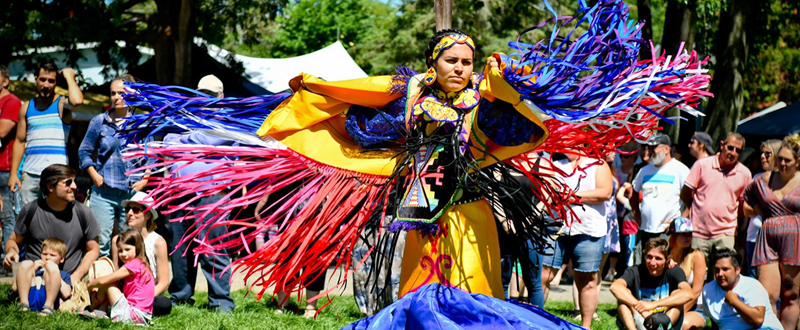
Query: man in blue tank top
[(42, 130)]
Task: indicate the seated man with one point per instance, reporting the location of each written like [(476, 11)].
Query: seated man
[(47, 283), (650, 295), (733, 301), (56, 214)]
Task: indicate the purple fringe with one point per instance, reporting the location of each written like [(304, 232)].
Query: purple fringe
[(400, 80), (423, 227)]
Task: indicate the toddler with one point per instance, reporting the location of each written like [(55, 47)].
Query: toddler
[(47, 282)]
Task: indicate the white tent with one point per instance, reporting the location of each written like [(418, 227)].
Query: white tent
[(273, 74)]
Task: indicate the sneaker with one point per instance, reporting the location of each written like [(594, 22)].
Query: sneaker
[(223, 310), (608, 278), (310, 313)]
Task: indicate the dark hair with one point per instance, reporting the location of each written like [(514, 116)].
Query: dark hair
[(134, 237), (52, 175), (656, 243), (725, 253), (435, 40), (47, 67), (5, 73)]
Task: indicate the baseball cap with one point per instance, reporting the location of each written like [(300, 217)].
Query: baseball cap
[(210, 83), (657, 321), (681, 225), (658, 139), (705, 139)]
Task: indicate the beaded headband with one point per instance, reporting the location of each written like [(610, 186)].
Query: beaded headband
[(448, 41)]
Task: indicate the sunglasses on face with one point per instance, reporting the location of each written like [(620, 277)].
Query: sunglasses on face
[(135, 209), (68, 182), (767, 154), (732, 148)]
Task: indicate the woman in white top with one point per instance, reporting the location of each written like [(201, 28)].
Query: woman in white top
[(154, 245), (582, 241), (693, 263)]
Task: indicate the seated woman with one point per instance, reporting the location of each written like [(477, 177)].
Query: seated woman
[(693, 264), (155, 247)]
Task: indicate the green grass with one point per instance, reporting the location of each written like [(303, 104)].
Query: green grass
[(249, 314)]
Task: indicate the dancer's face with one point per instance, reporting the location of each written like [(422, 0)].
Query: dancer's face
[(454, 68)]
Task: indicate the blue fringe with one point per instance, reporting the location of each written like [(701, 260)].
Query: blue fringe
[(571, 76), (176, 109)]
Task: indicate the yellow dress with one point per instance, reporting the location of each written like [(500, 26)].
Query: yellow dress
[(466, 253)]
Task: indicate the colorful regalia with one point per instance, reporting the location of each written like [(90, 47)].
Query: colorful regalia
[(355, 158)]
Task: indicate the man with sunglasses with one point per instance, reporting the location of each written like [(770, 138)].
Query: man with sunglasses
[(657, 188), (56, 215), (42, 129), (713, 192)]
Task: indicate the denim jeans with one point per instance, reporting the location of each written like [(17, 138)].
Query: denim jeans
[(30, 187), (532, 278), (7, 215), (184, 270), (747, 266), (106, 204)]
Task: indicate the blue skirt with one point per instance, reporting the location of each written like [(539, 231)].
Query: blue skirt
[(438, 307)]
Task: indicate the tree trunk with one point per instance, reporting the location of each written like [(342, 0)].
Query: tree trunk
[(173, 41), (183, 46), (645, 16), (679, 27), (444, 14), (725, 108)]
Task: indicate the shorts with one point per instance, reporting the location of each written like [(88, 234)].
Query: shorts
[(122, 311), (585, 251), (37, 298), (38, 295)]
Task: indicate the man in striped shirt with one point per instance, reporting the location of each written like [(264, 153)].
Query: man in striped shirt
[(42, 129)]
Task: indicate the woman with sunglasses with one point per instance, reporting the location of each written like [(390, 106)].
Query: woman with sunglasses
[(769, 161), (775, 196), (140, 216)]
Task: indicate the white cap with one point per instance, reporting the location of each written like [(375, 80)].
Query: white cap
[(142, 199), (210, 83)]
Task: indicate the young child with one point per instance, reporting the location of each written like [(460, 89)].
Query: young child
[(47, 282), (134, 304)]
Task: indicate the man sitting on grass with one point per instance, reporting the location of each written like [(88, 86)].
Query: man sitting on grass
[(734, 301), (45, 280), (650, 295)]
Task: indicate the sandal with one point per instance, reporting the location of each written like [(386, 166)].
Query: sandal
[(96, 314), (46, 311), (24, 307), (310, 313)]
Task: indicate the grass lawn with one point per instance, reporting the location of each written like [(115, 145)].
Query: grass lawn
[(249, 314)]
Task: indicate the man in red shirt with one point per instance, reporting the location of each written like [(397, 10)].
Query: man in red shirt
[(9, 114)]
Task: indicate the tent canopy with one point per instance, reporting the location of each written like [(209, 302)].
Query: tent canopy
[(273, 74), (776, 121)]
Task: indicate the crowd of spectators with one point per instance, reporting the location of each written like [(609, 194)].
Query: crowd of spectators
[(708, 241), (669, 230)]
